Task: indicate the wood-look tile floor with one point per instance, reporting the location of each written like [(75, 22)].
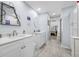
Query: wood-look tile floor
[(54, 49)]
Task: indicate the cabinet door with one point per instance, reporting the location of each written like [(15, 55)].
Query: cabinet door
[(10, 50), (27, 47), (76, 49), (40, 39), (27, 51)]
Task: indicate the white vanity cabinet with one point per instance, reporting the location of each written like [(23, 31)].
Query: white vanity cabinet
[(40, 38), (24, 47), (11, 49)]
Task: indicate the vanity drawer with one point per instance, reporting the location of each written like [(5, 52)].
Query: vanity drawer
[(27, 47), (10, 50)]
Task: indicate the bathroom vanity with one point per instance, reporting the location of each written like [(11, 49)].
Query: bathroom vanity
[(25, 45), (19, 46)]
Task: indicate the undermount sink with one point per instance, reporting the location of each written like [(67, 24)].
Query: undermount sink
[(13, 38), (39, 32)]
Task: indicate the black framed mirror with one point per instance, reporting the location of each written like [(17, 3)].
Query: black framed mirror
[(0, 14), (8, 15)]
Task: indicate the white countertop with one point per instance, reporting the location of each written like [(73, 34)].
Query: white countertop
[(39, 32), (15, 38)]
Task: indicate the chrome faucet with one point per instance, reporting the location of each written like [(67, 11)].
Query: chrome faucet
[(14, 33)]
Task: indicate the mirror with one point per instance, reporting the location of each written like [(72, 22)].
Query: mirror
[(0, 12), (8, 15)]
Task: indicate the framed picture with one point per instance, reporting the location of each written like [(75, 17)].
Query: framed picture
[(28, 18)]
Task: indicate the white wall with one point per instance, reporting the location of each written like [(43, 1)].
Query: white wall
[(22, 11), (74, 22), (43, 24), (66, 32)]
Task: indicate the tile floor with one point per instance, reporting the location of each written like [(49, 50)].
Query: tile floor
[(53, 49)]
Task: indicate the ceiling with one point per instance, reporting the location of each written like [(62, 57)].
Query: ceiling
[(52, 7)]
